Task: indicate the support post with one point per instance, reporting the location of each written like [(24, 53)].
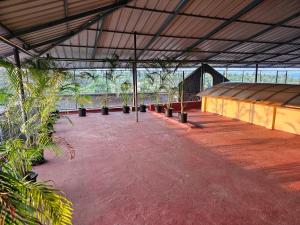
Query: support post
[(276, 80), (285, 78), (256, 72), (181, 93), (201, 77), (135, 81), (21, 85), (76, 104)]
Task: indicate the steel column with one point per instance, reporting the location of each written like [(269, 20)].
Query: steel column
[(202, 77), (256, 72), (20, 84), (285, 78), (134, 70)]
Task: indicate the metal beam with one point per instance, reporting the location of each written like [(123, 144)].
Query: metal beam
[(66, 13), (11, 33), (103, 9), (175, 50), (72, 33), (153, 60), (205, 17), (273, 47), (263, 32), (245, 10), (12, 44), (165, 24), (190, 37), (97, 37)]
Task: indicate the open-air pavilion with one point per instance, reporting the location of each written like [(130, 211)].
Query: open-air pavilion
[(229, 71)]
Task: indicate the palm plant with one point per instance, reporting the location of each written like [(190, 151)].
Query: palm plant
[(25, 202), (125, 90), (164, 79), (26, 135)]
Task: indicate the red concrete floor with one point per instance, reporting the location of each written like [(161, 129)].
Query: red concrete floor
[(156, 172)]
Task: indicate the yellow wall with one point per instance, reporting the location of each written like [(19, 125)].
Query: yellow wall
[(244, 111), (287, 119), (269, 116), (262, 115)]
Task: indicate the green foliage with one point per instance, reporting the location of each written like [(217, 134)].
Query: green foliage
[(82, 99), (125, 90), (163, 79), (25, 202), (26, 137)]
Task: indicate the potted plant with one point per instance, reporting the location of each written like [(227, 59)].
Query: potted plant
[(29, 116), (163, 80), (81, 100), (105, 99), (171, 91), (104, 103), (143, 107), (154, 80), (125, 89), (182, 114), (142, 94)]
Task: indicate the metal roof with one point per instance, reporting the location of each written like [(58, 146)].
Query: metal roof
[(82, 34), (279, 94)]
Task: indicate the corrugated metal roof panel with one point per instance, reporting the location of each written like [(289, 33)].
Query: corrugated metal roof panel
[(229, 57), (273, 11), (212, 45), (171, 43), (294, 22), (198, 55), (191, 26), (284, 49), (281, 58), (20, 14), (279, 34), (223, 9), (252, 47), (258, 57), (239, 31), (78, 6)]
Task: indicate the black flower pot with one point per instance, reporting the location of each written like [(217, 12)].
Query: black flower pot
[(126, 109), (31, 176), (143, 108), (104, 111), (55, 114), (82, 112), (182, 117), (158, 108), (169, 112), (38, 160)]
